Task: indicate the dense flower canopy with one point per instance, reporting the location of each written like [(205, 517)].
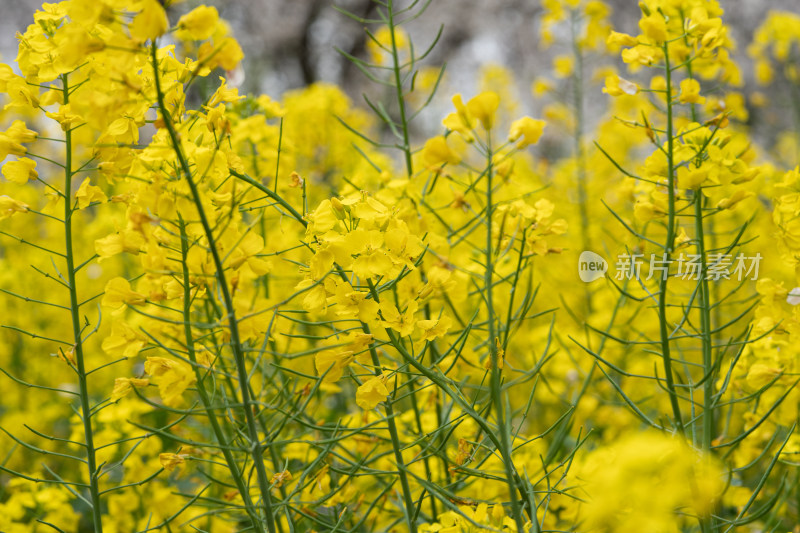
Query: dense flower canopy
[(232, 312)]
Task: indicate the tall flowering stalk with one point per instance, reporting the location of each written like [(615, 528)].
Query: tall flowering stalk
[(700, 169)]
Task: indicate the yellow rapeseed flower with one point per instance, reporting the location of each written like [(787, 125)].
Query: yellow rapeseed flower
[(198, 24), (372, 392)]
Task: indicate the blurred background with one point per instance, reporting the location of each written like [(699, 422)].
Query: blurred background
[(289, 44)]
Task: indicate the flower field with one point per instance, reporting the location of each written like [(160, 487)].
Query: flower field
[(426, 311)]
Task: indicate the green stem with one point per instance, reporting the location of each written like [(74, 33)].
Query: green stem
[(668, 249), (496, 386), (706, 328), (421, 431), (434, 358), (216, 427), (513, 290), (704, 301), (256, 448), (706, 339), (580, 152), (271, 194), (446, 385), (449, 388), (80, 363), (398, 454), (401, 105), (398, 85)]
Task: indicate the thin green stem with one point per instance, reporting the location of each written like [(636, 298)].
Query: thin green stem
[(398, 452), (398, 86), (271, 194), (256, 448), (216, 427), (668, 249), (580, 151), (496, 386), (705, 337), (706, 327), (425, 460), (80, 363)]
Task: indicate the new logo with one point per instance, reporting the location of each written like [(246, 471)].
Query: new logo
[(591, 266)]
